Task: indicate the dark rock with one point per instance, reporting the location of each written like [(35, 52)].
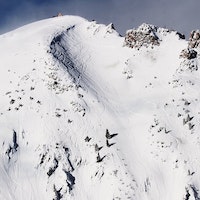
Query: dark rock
[(70, 180), (99, 158), (12, 101), (109, 136), (58, 195), (53, 169), (181, 36), (15, 145), (87, 139), (97, 148), (144, 36), (194, 40), (188, 54), (109, 144)]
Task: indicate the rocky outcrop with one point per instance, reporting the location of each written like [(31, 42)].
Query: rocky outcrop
[(194, 40), (188, 54), (145, 35)]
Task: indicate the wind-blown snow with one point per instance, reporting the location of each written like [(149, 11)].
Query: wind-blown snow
[(65, 82)]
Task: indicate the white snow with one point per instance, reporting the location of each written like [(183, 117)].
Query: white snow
[(65, 79)]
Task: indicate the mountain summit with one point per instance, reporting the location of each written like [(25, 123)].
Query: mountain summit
[(87, 114)]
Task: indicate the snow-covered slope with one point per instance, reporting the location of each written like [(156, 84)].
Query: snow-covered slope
[(89, 115)]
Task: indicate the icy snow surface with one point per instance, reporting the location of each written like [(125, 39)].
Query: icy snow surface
[(84, 117)]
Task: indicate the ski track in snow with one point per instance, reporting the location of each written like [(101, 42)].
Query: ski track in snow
[(73, 64)]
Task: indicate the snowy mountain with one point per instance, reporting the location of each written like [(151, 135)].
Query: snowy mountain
[(87, 114)]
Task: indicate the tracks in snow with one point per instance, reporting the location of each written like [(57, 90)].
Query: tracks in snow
[(66, 48)]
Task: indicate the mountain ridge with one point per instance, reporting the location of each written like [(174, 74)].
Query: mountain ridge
[(67, 83)]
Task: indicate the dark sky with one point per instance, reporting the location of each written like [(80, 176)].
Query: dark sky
[(181, 15)]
